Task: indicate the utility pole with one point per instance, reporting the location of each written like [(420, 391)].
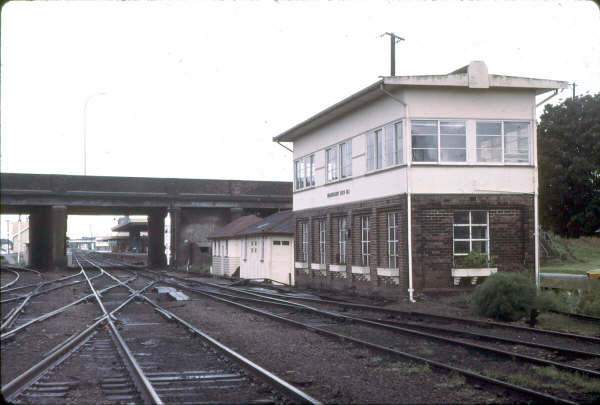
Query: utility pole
[(574, 85), (393, 40)]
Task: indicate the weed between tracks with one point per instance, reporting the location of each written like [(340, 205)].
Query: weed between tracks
[(410, 368), (566, 324), (454, 380), (537, 377)]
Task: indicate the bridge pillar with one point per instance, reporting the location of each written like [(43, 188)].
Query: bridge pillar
[(47, 237), (175, 214), (156, 238)]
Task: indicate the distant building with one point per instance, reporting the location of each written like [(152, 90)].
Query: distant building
[(261, 249), (137, 229), (227, 246)]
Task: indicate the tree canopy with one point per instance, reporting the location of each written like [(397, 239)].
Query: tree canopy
[(569, 166)]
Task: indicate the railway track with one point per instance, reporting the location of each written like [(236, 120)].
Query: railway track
[(342, 326), (136, 366)]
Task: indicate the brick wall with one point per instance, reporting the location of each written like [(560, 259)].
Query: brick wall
[(511, 227)]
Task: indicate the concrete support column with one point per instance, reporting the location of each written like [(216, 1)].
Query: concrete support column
[(47, 237), (175, 214), (156, 238), (58, 235)]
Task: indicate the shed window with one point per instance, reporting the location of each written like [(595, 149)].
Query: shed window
[(277, 242), (285, 242)]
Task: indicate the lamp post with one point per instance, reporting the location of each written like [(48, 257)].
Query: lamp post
[(85, 105)]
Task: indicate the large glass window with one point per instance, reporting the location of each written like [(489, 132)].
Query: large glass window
[(516, 142), (451, 137), (322, 228), (346, 159), (374, 150), (424, 136), (392, 223), (503, 141), (471, 233), (342, 224), (332, 164), (364, 242), (393, 144), (304, 172)]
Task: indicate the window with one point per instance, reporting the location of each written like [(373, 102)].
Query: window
[(393, 144), (226, 248), (449, 135), (364, 242), (276, 243), (346, 159), (342, 239), (471, 232), (322, 227), (374, 150), (392, 221), (262, 248), (332, 164), (285, 242), (516, 142), (305, 242), (304, 172), (503, 141)]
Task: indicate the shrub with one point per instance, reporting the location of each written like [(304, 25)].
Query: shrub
[(504, 296), (550, 300), (590, 300)]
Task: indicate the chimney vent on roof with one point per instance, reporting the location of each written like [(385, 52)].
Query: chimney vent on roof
[(478, 75)]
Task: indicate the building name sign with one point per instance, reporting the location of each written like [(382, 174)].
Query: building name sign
[(338, 193)]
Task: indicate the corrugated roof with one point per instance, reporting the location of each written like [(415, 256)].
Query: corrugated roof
[(278, 223), (232, 228)]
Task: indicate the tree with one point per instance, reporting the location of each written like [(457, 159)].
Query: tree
[(569, 166)]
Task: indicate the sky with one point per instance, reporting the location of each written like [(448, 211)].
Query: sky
[(198, 89)]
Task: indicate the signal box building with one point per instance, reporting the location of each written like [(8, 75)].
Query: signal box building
[(395, 185)]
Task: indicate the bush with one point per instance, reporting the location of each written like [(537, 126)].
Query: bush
[(504, 296), (590, 300), (550, 300)]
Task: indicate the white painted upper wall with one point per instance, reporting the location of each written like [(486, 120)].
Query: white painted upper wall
[(468, 104)]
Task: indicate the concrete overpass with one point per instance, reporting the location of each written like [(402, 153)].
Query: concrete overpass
[(196, 208)]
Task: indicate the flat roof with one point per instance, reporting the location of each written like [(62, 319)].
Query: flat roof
[(474, 75)]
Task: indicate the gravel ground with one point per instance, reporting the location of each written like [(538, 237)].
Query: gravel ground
[(327, 369)]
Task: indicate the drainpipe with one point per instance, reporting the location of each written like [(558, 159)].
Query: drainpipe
[(283, 146), (411, 290)]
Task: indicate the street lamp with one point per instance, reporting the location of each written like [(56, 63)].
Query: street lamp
[(85, 104)]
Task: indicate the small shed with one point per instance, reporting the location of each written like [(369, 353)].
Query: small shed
[(268, 249), (227, 246)]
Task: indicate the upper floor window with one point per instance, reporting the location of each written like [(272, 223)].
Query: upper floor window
[(374, 149), (304, 172), (503, 141), (346, 159), (438, 141), (393, 144), (332, 163)]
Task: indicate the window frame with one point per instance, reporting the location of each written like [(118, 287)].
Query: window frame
[(502, 135), (332, 163), (322, 247), (439, 147), (392, 240), (364, 240), (471, 224), (304, 172), (304, 229), (342, 239), (377, 161)]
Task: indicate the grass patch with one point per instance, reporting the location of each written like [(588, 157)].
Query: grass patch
[(205, 269), (462, 299), (576, 255), (549, 377), (411, 368), (454, 380), (563, 323)]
